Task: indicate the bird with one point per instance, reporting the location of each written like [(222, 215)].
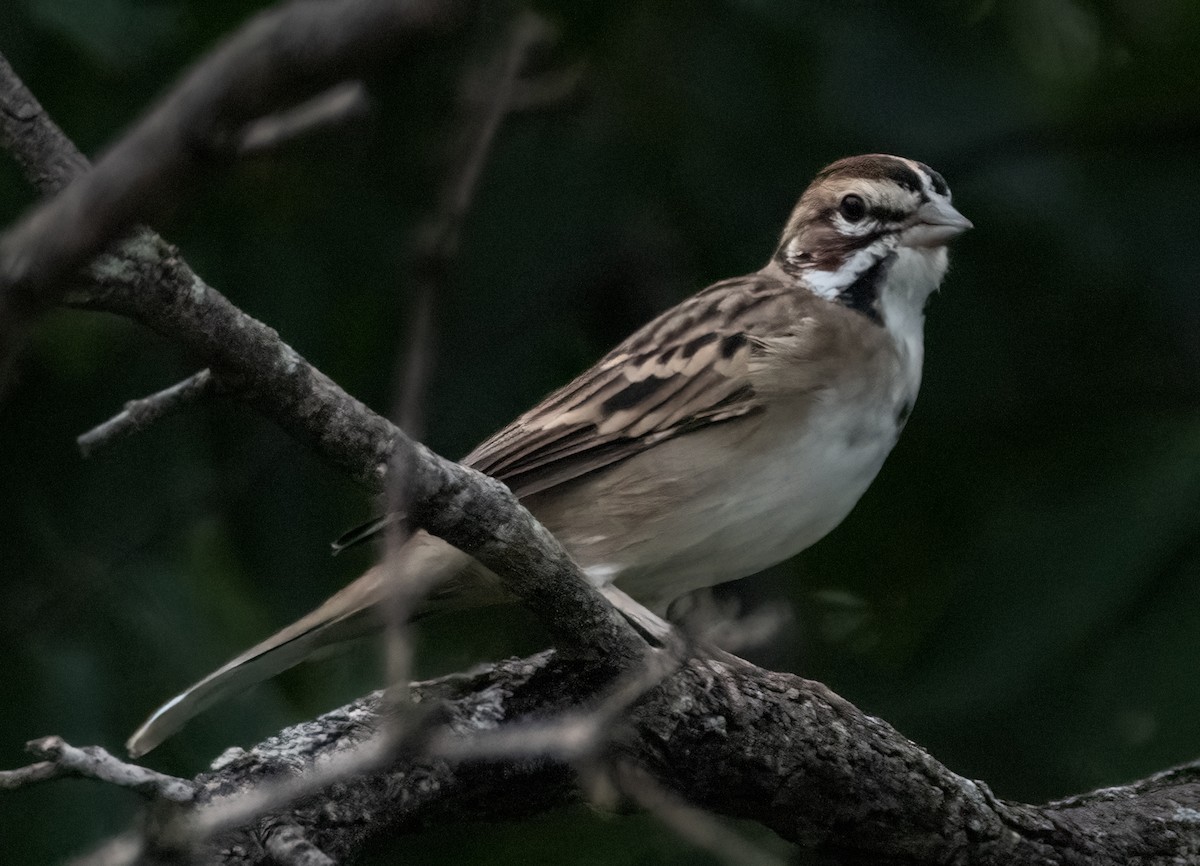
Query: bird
[(728, 434)]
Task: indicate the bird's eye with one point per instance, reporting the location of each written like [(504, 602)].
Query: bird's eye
[(853, 208)]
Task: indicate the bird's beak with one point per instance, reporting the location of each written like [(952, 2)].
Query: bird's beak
[(937, 224)]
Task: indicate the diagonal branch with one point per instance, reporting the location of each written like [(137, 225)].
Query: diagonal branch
[(337, 106), (138, 414), (60, 758), (146, 280), (279, 58), (49, 159)]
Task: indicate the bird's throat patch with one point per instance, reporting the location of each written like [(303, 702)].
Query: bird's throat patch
[(862, 295)]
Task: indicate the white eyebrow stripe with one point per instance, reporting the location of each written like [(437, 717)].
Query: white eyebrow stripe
[(927, 186)]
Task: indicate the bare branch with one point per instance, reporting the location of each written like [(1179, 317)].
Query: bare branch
[(42, 771), (92, 762), (281, 55), (471, 511), (722, 736), (139, 414), (339, 105), (49, 159), (146, 280)]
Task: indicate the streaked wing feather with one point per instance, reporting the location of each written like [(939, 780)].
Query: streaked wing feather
[(686, 370)]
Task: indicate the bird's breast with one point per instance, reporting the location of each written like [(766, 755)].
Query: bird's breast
[(797, 488), (690, 514)]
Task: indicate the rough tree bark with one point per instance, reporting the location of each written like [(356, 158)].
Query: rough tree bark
[(665, 726), (739, 740)]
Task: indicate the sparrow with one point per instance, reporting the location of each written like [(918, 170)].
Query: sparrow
[(728, 434)]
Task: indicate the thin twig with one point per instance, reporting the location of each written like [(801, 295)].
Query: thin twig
[(139, 414), (485, 96), (339, 105), (485, 99), (59, 758), (406, 588), (42, 771), (415, 367)]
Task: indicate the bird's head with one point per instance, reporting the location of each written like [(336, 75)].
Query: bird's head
[(864, 216)]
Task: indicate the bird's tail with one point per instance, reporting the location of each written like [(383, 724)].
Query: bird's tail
[(352, 612)]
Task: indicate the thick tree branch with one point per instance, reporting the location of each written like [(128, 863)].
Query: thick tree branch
[(147, 281), (49, 159), (721, 734)]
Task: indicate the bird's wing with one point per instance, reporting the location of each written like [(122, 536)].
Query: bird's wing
[(686, 370)]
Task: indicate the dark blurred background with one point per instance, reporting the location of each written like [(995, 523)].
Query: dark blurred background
[(1017, 592)]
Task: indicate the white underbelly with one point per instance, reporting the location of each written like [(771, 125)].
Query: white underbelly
[(760, 508), (786, 503)]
